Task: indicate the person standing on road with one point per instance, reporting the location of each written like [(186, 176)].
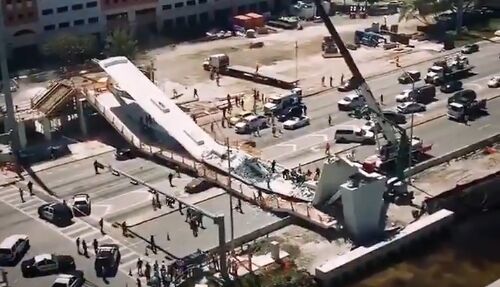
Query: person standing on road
[(101, 225), (273, 166), (305, 110), (342, 79), (95, 244), (30, 187), (147, 271), (152, 242), (157, 196), (139, 267), (170, 177), (21, 195), (84, 247), (381, 99), (96, 167), (466, 119), (212, 127), (195, 93), (329, 120), (323, 81), (327, 148), (331, 82), (78, 245)]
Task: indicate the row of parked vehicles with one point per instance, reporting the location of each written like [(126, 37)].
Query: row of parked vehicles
[(286, 108)]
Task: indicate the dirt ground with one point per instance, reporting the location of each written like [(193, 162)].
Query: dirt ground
[(180, 67)]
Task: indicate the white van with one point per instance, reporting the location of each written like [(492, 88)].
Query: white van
[(14, 247), (349, 134)]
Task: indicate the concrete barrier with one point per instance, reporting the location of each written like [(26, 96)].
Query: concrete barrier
[(453, 154)]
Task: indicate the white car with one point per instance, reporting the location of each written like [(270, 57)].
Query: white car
[(494, 82), (371, 126), (349, 134), (69, 280), (296, 122), (250, 124), (404, 96), (351, 102), (238, 117), (411, 107)]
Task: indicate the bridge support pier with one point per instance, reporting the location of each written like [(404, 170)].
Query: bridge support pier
[(47, 128), (81, 117), (21, 130)]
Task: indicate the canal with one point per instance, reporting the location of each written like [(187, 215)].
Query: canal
[(468, 256)]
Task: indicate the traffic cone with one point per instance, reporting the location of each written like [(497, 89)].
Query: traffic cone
[(168, 236)]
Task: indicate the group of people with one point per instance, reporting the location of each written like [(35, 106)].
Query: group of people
[(296, 175), (195, 220), (155, 275)]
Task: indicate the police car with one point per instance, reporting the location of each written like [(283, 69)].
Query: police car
[(107, 258), (55, 212), (47, 264), (75, 279)]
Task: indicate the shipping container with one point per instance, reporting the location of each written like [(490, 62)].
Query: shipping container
[(243, 21), (257, 19)]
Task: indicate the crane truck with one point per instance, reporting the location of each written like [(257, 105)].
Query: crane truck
[(396, 150), (451, 68), (464, 105)]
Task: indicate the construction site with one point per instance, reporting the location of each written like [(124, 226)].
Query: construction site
[(334, 212)]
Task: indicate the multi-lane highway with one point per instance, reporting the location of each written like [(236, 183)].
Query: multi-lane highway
[(308, 143)]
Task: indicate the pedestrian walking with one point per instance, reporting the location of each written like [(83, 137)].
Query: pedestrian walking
[(139, 266), (78, 245), (331, 82), (95, 244), (153, 203), (195, 93), (381, 99), (138, 282), (329, 120), (152, 242), (170, 178), (147, 271), (21, 195), (101, 225), (157, 195), (242, 103), (327, 148), (323, 81), (30, 187), (155, 266), (84, 247), (96, 167), (239, 206), (124, 228), (273, 166), (212, 127)]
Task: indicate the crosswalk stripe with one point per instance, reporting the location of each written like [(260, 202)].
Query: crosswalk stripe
[(8, 196), (90, 235), (73, 226), (75, 232), (28, 205)]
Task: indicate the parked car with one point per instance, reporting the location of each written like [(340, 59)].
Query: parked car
[(81, 204), (13, 248), (346, 86), (409, 77), (125, 153), (494, 82), (372, 126), (394, 117), (55, 212), (404, 96), (107, 258), (74, 279), (351, 102), (349, 134), (411, 107), (45, 264), (250, 124), (197, 185), (296, 122), (239, 116), (295, 111), (470, 48), (451, 87)]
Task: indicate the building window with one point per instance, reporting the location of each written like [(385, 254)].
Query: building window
[(49, 27), (47, 11), (92, 4), (62, 9), (179, 4), (79, 22), (64, 25), (93, 20), (167, 7), (191, 3), (77, 7)]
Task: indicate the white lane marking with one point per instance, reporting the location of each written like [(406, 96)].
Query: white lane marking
[(75, 231), (315, 149), (293, 146), (324, 136), (484, 126)]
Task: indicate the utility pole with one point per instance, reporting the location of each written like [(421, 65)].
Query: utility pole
[(460, 16), (231, 209), (10, 124)]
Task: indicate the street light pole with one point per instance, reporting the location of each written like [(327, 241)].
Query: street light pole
[(11, 124)]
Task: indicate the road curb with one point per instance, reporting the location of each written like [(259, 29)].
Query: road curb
[(64, 163), (415, 125)]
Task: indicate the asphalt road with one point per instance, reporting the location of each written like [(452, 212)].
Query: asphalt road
[(21, 218), (306, 144)]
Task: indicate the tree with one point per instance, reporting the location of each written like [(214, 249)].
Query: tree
[(71, 48), (420, 9), (121, 43)]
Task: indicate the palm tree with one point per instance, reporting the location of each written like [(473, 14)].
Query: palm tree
[(121, 43)]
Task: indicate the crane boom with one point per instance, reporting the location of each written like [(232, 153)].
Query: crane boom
[(358, 80)]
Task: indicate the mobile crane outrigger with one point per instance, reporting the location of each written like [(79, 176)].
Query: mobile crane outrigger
[(394, 156)]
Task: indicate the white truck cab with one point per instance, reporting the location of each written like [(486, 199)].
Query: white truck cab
[(279, 102)]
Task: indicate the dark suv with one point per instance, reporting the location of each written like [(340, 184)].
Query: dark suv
[(107, 259)]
